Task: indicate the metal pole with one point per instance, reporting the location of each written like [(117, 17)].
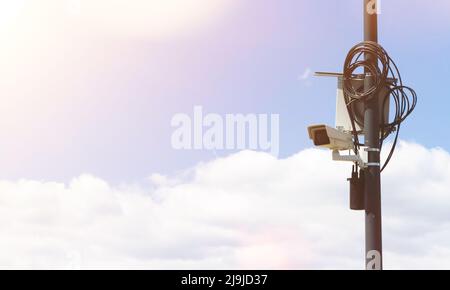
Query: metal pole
[(372, 187)]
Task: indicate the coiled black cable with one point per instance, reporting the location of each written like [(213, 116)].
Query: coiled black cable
[(380, 74)]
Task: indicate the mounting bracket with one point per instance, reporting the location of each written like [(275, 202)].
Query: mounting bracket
[(349, 158)]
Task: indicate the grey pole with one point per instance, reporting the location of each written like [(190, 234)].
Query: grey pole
[(372, 187)]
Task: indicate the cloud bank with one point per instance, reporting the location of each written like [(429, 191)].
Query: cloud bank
[(245, 211)]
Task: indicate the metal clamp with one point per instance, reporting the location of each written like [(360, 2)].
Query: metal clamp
[(372, 150), (373, 164)]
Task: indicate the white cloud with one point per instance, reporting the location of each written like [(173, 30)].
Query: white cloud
[(248, 210), (305, 77), (306, 74)]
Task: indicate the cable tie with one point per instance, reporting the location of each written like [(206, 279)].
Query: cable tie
[(372, 150), (373, 164)]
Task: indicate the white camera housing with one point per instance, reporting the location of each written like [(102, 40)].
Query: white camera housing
[(333, 139), (343, 121)]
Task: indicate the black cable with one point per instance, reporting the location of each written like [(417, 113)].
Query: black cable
[(384, 74)]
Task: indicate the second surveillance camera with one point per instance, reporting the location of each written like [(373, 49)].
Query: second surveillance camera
[(327, 137)]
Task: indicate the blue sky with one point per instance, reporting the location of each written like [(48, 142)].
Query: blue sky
[(111, 116), (89, 178)]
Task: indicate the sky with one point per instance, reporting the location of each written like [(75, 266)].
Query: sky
[(82, 96), (89, 88)]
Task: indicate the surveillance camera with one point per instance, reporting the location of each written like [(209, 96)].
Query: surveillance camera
[(327, 137)]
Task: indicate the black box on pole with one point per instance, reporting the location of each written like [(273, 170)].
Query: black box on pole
[(357, 200)]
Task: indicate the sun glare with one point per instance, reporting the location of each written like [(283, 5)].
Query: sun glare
[(149, 18), (157, 18), (49, 46), (9, 11)]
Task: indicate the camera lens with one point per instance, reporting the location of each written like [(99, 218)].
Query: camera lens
[(321, 138)]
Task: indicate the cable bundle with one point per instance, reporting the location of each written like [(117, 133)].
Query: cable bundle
[(384, 76)]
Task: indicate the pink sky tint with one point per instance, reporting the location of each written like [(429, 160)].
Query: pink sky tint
[(282, 248), (66, 69)]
